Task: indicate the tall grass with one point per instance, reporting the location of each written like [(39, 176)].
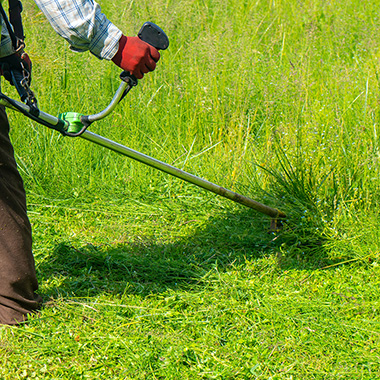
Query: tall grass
[(275, 100), (262, 97)]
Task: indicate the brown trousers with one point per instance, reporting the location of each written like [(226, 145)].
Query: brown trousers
[(18, 281)]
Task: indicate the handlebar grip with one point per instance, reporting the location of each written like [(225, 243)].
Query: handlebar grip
[(152, 35)]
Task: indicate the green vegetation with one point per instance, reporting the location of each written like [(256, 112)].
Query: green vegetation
[(148, 277)]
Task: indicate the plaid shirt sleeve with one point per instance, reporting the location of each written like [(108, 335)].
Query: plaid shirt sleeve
[(83, 25), (6, 47)]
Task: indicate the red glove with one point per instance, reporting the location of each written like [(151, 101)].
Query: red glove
[(26, 61), (136, 56)]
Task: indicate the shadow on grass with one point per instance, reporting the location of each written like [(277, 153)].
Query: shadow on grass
[(151, 266)]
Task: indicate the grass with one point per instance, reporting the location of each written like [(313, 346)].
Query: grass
[(146, 277)]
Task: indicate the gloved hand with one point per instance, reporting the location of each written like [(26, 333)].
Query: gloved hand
[(18, 61), (17, 69), (136, 56)]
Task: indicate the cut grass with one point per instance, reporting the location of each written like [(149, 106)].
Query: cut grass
[(213, 299), (187, 305)]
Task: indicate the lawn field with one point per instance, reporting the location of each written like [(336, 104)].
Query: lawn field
[(144, 276)]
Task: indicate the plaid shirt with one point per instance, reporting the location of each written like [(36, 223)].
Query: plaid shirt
[(80, 22)]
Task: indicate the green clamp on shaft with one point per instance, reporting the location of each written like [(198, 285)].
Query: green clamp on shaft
[(74, 121)]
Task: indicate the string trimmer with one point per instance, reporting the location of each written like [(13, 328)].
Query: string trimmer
[(75, 125)]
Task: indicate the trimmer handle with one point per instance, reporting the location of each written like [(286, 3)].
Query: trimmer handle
[(152, 35)]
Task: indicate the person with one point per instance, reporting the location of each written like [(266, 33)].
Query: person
[(86, 28)]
